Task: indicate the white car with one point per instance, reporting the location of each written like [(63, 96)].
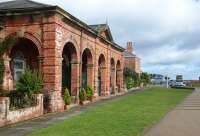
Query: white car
[(180, 84)]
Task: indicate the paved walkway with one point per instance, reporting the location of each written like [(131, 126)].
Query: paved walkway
[(184, 120), (26, 127)]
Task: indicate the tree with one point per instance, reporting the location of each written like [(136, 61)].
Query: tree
[(145, 78), (132, 79)]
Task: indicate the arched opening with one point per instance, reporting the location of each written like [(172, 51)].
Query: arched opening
[(69, 72), (119, 76), (87, 68), (101, 75), (112, 76), (24, 54)]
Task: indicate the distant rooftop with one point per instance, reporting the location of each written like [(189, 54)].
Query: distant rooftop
[(129, 55), (101, 28)]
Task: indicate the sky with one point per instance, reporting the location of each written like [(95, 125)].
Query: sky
[(166, 33)]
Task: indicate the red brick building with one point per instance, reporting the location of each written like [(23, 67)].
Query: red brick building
[(132, 62), (67, 51)]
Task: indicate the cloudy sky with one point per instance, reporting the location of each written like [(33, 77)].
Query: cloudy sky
[(166, 32)]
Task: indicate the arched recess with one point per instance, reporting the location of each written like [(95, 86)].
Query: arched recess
[(87, 68), (119, 76), (112, 76), (70, 68), (23, 53), (101, 75)]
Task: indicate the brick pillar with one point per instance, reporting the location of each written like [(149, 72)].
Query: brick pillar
[(8, 79), (113, 80), (75, 81), (90, 75), (120, 80), (104, 91), (51, 69), (4, 107), (40, 62)]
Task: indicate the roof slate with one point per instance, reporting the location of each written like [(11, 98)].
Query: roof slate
[(21, 4), (101, 28), (16, 6)]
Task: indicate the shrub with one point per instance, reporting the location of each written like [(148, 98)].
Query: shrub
[(66, 97), (4, 93), (132, 79), (129, 82), (89, 92), (30, 82), (82, 95), (19, 100)]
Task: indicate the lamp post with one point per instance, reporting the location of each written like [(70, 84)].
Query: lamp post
[(167, 82)]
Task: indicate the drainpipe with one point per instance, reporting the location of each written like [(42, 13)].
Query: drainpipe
[(81, 50)]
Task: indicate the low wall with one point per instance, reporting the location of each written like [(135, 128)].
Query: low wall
[(8, 117)]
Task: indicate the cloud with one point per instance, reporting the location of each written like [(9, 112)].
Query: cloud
[(166, 32)]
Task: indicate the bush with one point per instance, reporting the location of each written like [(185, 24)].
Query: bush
[(82, 95), (132, 79), (129, 82), (89, 92), (145, 78), (4, 93), (19, 100), (30, 82), (66, 97)]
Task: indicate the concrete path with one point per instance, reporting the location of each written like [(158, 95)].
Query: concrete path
[(184, 120), (26, 127)]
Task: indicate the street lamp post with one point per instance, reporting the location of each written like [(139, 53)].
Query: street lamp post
[(167, 82)]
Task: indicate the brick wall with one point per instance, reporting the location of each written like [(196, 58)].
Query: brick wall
[(8, 117)]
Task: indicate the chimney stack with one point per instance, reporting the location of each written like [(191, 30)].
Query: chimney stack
[(130, 47)]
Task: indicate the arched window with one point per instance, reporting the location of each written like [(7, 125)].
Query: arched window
[(19, 65)]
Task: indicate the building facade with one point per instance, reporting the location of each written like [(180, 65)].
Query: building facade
[(132, 62), (69, 53)]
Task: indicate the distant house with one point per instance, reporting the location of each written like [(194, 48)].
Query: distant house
[(179, 77), (157, 79), (132, 62)]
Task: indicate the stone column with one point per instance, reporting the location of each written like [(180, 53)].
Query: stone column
[(120, 80), (104, 91), (4, 107), (90, 75), (40, 63), (75, 81), (113, 80), (8, 79)]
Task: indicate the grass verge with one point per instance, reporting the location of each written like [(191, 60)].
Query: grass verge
[(128, 116)]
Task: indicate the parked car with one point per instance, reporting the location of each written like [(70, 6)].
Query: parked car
[(179, 84), (172, 83)]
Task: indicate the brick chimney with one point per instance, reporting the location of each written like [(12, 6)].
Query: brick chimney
[(129, 47)]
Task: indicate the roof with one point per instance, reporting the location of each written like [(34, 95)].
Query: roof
[(28, 7), (22, 4), (102, 28), (129, 55)]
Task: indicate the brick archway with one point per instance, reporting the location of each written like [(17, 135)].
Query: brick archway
[(101, 87), (87, 68), (70, 69), (24, 53), (29, 36)]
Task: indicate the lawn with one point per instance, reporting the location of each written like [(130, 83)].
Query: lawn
[(127, 116), (196, 85)]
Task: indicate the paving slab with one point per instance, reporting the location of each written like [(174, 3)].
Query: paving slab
[(184, 120)]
